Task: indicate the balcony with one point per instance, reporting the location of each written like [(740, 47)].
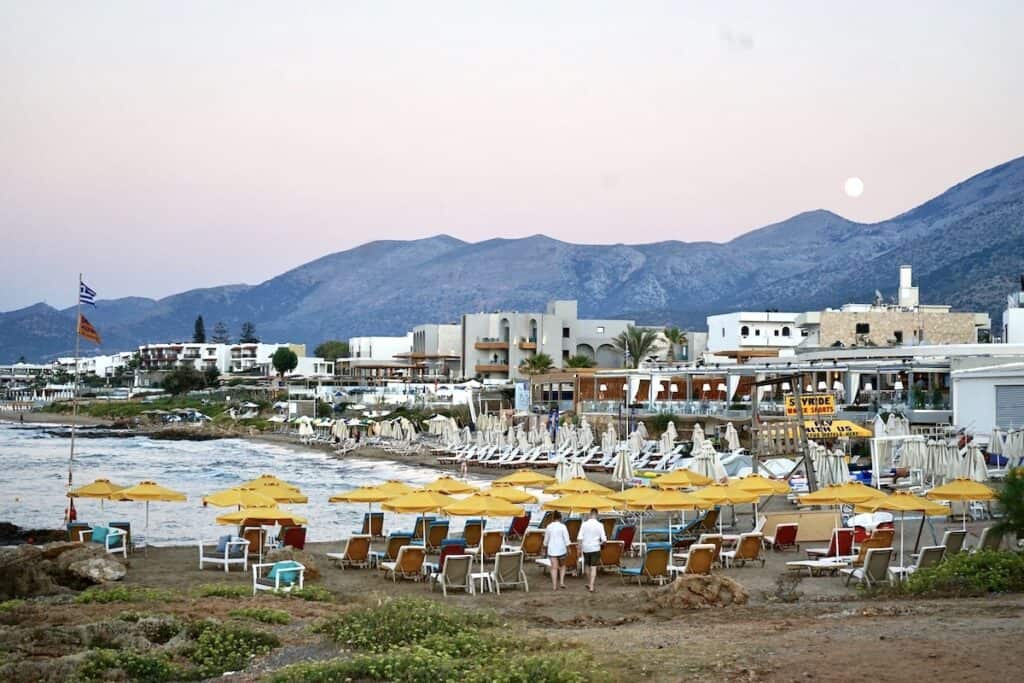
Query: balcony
[(492, 367), (488, 344), (527, 344)]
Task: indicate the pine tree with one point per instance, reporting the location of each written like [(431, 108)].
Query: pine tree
[(248, 333), (220, 333), (199, 335)]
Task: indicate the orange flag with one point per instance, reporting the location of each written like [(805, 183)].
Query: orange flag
[(85, 329)]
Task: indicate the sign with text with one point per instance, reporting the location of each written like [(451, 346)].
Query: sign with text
[(812, 404)]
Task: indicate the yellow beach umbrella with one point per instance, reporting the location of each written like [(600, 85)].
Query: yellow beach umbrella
[(418, 502), (850, 493), (511, 494), (722, 494), (524, 478), (581, 501), (904, 502), (104, 489), (265, 479), (761, 485), (262, 516), (149, 491), (579, 485), (681, 479), (279, 491), (450, 486), (394, 487), (665, 500), (365, 494), (242, 498), (479, 505), (637, 494), (962, 490)]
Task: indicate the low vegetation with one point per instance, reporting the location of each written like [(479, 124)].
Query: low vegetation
[(415, 640), (123, 594), (310, 594), (222, 590), (966, 574), (265, 615)]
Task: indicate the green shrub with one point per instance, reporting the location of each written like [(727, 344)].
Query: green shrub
[(310, 593), (97, 594), (136, 666), (971, 574), (265, 615), (11, 605), (159, 629), (229, 648), (401, 622), (223, 590)]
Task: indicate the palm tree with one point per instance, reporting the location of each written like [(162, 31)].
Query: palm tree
[(580, 361), (636, 344), (536, 364), (675, 338)]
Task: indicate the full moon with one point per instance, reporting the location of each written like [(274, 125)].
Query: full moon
[(854, 187)]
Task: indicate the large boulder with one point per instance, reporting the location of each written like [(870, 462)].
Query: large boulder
[(312, 572), (23, 574), (695, 591), (98, 570)]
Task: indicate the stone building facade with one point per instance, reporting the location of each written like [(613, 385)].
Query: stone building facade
[(895, 327)]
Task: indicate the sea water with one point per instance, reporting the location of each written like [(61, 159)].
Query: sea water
[(34, 471)]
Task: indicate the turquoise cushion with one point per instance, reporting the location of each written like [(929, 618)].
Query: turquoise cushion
[(222, 544), (286, 572), (99, 534)]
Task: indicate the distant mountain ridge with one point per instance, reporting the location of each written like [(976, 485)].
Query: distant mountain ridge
[(965, 246)]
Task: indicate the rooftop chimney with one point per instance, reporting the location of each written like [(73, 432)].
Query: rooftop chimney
[(908, 297)]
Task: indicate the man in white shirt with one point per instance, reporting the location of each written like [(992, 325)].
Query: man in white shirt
[(591, 537), (556, 547)]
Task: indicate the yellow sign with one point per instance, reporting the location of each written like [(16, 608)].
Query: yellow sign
[(812, 404), (834, 429)]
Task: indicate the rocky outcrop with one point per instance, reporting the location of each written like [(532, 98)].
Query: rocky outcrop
[(693, 592), (28, 570)]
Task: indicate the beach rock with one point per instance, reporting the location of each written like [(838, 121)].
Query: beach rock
[(52, 551), (301, 556), (81, 552), (694, 592), (22, 573), (98, 570)]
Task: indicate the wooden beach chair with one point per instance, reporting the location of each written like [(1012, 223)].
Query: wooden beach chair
[(408, 564), (699, 560), (436, 533), (373, 525), (396, 541), (611, 556), (356, 553), (748, 549), (532, 545), (572, 525), (653, 566), (492, 543), (471, 532)]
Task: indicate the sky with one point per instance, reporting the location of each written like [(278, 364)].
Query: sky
[(163, 146)]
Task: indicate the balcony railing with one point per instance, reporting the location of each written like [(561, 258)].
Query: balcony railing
[(492, 367), (490, 344), (528, 344)]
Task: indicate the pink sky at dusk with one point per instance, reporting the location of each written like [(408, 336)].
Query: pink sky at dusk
[(162, 146)]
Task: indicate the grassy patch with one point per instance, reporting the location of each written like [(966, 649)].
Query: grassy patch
[(970, 574), (417, 641), (123, 594), (310, 593), (11, 605), (264, 615), (135, 666), (223, 590), (229, 648)]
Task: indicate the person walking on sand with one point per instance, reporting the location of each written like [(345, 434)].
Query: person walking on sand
[(591, 537), (556, 547)]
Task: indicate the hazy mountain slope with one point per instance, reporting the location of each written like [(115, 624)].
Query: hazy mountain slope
[(965, 246)]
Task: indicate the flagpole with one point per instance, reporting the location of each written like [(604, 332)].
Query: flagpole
[(74, 395)]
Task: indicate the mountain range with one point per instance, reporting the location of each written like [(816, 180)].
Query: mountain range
[(966, 247)]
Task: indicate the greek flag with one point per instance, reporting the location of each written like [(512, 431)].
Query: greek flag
[(86, 294)]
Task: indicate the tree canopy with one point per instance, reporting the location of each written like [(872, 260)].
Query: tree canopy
[(199, 332), (675, 338), (580, 361), (284, 360), (332, 349), (536, 364), (248, 334), (220, 333)]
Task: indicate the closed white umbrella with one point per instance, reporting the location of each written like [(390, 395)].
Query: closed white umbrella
[(641, 428), (665, 444), (563, 472), (623, 471), (708, 463), (698, 437), (671, 431), (732, 439), (972, 464)]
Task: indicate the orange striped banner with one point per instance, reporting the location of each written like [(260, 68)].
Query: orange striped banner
[(86, 330)]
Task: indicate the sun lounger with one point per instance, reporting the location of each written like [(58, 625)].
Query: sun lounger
[(373, 525), (394, 544), (436, 533), (280, 576), (355, 554), (572, 560), (492, 543), (449, 546), (748, 549), (572, 525), (930, 556), (256, 535), (454, 574), (508, 571), (408, 564), (471, 532), (225, 551), (625, 533), (611, 556), (840, 544), (875, 570), (706, 539), (828, 565), (990, 539), (653, 566), (518, 526), (699, 560), (784, 537), (532, 545)]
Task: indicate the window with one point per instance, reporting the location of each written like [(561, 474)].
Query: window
[(898, 335), (723, 332), (600, 329), (744, 331), (776, 332), (757, 331), (565, 333), (805, 333), (863, 328), (785, 332)]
